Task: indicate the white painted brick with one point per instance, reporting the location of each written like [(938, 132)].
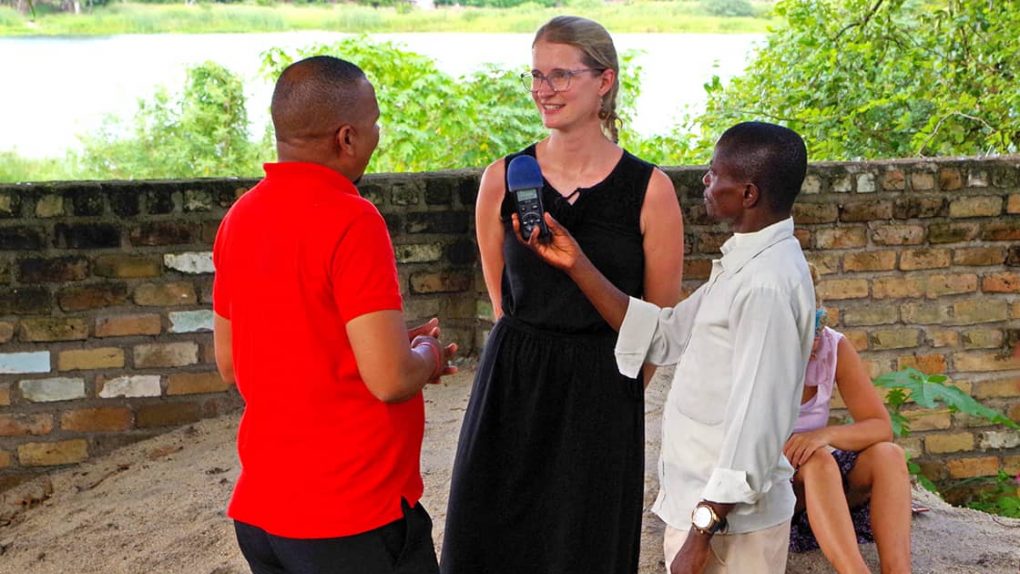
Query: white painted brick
[(134, 386), (50, 390), (33, 362), (191, 321), (190, 262)]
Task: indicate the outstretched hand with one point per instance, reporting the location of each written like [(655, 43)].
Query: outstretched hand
[(560, 249), (446, 354), (429, 329)]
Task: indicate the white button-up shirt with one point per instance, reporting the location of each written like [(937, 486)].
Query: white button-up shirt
[(741, 344)]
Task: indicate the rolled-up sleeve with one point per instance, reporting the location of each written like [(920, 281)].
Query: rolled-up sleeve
[(650, 334), (768, 371)]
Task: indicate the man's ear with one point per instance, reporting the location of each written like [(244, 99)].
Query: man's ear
[(752, 195), (345, 139)]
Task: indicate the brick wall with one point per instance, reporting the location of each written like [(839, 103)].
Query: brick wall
[(105, 295)]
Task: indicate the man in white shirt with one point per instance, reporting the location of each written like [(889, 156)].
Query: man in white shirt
[(741, 344)]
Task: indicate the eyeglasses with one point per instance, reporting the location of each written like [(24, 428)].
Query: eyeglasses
[(557, 80)]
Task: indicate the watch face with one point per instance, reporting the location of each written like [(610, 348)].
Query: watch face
[(702, 517)]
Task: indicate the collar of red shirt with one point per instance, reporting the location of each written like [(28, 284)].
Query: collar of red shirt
[(298, 170)]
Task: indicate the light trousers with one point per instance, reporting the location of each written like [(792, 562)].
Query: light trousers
[(758, 552)]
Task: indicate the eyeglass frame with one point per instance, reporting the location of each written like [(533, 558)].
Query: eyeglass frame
[(531, 77)]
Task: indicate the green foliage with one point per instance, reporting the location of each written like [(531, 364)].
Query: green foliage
[(430, 120), (928, 391), (201, 133), (879, 79), (728, 8), (1002, 498)]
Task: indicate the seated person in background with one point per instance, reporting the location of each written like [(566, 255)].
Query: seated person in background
[(847, 474)]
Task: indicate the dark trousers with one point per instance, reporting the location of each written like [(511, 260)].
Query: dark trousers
[(400, 547)]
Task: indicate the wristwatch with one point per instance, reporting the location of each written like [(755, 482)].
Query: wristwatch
[(706, 520)]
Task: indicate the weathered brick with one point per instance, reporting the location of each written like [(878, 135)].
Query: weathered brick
[(88, 359), (869, 261), (87, 236), (950, 179), (53, 329), (5, 395), (809, 213), (418, 252), (940, 285), (55, 270), (102, 419), (1014, 310), (167, 414), (438, 222), (93, 296), (26, 424), (50, 205), (440, 281), (1008, 230), (439, 190), (1001, 283), (952, 232), (711, 241), (925, 313), (897, 287), (127, 266), (972, 466), (939, 338), (53, 453), (883, 339), (1011, 464), (803, 236), (914, 259), (982, 338), (129, 386), (165, 294), (994, 389), (25, 301), (983, 206), (866, 183), (984, 361), (197, 200), (926, 419), (191, 262), (86, 201), (1013, 203), (812, 185), (404, 193), (825, 263), (871, 314), (27, 362), (840, 289), (841, 238), (859, 339), (1005, 176), (912, 445), (5, 459), (166, 355), (922, 180), (158, 233), (919, 207), (127, 325), (6, 331), (191, 321), (931, 364), (160, 202), (893, 180), (841, 184), (124, 202), (973, 311), (946, 443), (977, 178), (461, 252), (979, 256), (194, 383), (898, 234), (998, 439), (21, 239), (863, 211)]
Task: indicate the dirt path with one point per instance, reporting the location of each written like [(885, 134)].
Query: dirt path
[(157, 507)]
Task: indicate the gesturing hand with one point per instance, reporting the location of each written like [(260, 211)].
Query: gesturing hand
[(443, 353), (560, 250), (429, 329)]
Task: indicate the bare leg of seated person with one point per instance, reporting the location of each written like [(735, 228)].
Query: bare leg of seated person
[(881, 470), (819, 484)]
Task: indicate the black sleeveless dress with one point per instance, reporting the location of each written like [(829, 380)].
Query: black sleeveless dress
[(549, 471)]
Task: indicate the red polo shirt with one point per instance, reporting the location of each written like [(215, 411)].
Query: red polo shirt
[(296, 258)]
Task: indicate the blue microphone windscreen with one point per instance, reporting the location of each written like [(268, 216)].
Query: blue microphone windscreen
[(523, 173)]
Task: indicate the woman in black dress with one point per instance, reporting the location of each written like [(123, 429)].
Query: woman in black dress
[(549, 471)]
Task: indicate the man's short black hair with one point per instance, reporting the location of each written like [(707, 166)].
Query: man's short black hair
[(315, 94), (772, 157)]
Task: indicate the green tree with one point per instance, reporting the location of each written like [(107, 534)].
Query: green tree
[(865, 79), (201, 133)]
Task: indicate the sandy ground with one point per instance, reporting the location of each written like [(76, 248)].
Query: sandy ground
[(157, 507)]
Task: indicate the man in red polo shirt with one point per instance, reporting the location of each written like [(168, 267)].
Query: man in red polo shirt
[(308, 322)]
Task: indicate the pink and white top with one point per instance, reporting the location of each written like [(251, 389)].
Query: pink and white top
[(821, 373)]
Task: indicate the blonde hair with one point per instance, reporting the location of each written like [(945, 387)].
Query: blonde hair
[(598, 52)]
